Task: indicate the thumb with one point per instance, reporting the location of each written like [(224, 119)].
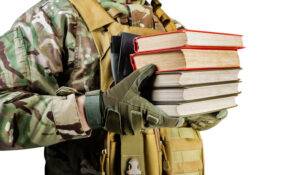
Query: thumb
[(143, 74), (134, 80)]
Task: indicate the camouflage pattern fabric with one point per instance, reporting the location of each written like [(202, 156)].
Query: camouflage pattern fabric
[(120, 5), (47, 48), (137, 13), (141, 16)]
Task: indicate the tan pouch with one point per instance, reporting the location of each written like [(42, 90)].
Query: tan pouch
[(183, 152), (145, 149)]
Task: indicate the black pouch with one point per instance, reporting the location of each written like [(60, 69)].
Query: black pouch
[(121, 48)]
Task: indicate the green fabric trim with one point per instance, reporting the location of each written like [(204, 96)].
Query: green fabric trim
[(93, 111)]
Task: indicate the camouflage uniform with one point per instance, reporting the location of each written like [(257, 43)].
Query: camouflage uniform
[(47, 49), (47, 58)]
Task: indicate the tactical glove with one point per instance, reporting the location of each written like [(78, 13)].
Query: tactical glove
[(122, 110), (205, 121)]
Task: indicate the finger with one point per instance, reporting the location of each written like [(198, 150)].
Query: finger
[(134, 80), (222, 114), (158, 118), (172, 121), (203, 122), (144, 74), (196, 127), (218, 115)]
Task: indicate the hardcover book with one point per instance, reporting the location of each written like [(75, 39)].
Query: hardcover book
[(192, 38), (199, 107), (186, 58), (193, 93), (195, 77)]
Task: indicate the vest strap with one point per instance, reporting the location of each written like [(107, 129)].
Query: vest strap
[(92, 13)]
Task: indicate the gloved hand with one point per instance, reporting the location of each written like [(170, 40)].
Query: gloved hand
[(205, 121), (122, 110)]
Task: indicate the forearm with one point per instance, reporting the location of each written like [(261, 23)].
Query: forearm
[(31, 120), (80, 103)]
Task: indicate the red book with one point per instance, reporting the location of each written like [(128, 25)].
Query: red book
[(187, 58), (188, 38)]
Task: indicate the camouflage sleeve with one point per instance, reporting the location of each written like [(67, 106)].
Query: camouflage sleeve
[(33, 54)]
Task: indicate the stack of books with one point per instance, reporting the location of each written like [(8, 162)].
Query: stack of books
[(197, 71)]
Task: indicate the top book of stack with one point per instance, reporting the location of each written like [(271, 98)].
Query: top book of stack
[(189, 38)]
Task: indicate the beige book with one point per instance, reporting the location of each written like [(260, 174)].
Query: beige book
[(188, 78), (194, 93), (187, 59), (199, 107), (188, 38)]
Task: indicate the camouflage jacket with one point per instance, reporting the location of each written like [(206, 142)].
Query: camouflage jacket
[(47, 58)]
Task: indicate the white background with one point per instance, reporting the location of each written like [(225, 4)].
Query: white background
[(261, 136)]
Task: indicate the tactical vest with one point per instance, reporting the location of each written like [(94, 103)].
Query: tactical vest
[(176, 151)]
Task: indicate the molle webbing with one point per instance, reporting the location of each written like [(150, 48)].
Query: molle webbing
[(184, 151), (132, 147), (144, 147)]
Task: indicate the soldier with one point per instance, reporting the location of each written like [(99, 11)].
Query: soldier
[(49, 83)]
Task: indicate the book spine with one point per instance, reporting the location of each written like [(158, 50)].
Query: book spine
[(132, 62), (135, 44)]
